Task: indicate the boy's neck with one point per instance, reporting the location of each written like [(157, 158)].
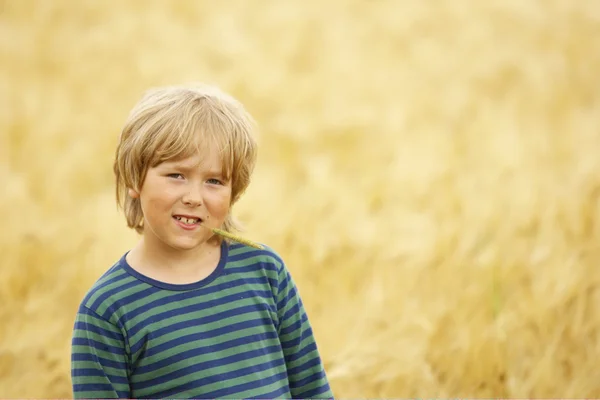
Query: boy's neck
[(174, 266)]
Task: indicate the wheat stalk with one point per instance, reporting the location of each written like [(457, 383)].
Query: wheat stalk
[(237, 238)]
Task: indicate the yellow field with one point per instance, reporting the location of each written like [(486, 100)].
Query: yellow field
[(430, 171)]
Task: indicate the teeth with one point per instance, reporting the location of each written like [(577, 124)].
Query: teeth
[(188, 221)]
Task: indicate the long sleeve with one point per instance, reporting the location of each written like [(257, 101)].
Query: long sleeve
[(98, 358), (306, 373)]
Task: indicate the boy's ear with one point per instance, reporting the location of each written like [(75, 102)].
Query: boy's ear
[(133, 194)]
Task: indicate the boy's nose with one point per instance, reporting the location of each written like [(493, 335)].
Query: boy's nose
[(193, 198)]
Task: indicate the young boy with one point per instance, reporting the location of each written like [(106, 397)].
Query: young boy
[(186, 313)]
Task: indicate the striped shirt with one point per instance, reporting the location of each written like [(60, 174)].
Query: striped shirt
[(241, 332)]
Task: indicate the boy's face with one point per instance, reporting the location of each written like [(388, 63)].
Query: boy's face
[(180, 199)]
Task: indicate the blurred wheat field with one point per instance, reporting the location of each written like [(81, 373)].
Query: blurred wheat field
[(428, 170)]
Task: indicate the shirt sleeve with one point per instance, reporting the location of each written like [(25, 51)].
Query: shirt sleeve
[(98, 358), (306, 373)]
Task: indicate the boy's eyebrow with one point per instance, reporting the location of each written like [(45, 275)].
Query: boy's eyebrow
[(188, 168)]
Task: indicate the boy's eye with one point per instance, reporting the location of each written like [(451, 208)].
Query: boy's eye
[(176, 176), (215, 181)]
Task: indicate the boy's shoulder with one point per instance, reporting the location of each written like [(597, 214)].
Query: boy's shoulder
[(106, 293), (105, 287), (265, 256)]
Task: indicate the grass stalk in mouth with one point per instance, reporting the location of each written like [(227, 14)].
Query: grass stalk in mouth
[(236, 238)]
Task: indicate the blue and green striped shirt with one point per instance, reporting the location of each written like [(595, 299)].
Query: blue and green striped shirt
[(240, 333)]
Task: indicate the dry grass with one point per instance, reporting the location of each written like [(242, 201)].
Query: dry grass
[(429, 170)]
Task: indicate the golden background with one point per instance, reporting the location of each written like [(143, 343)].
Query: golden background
[(430, 171)]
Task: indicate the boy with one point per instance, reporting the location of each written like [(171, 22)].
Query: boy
[(186, 313)]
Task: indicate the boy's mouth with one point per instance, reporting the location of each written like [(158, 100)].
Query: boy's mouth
[(188, 220)]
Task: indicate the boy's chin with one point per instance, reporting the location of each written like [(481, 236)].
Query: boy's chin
[(189, 245)]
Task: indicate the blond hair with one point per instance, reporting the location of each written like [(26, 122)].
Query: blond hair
[(174, 122)]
